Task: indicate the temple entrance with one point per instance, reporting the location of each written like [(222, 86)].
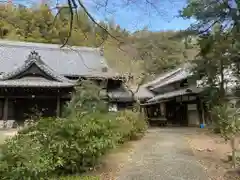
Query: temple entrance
[(176, 113)]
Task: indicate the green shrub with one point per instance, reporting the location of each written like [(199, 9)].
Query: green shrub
[(58, 146), (66, 146), (133, 126), (86, 100), (53, 147)]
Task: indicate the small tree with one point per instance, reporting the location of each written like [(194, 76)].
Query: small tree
[(228, 121), (86, 99)]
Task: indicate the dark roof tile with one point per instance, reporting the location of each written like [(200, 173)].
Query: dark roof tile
[(80, 61)]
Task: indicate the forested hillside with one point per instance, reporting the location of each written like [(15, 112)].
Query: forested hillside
[(139, 52)]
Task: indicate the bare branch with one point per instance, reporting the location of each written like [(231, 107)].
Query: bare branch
[(71, 23)]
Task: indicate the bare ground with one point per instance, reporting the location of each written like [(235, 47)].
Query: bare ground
[(130, 159), (211, 150), (113, 162), (163, 154)]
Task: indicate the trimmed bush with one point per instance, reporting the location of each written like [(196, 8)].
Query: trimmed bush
[(133, 126), (72, 145), (66, 146), (57, 147)]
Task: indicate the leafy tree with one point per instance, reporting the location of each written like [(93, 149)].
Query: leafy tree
[(217, 23), (160, 52), (228, 120)]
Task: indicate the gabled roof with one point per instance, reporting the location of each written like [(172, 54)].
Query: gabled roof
[(34, 82), (178, 75), (142, 93), (67, 61), (146, 90), (171, 94), (161, 77), (46, 77), (33, 59), (121, 94)]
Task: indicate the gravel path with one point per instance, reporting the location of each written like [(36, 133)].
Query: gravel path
[(163, 154)]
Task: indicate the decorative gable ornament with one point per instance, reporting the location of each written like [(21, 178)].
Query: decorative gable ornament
[(34, 56), (105, 69), (101, 50)]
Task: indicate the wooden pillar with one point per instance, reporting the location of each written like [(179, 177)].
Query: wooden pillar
[(202, 113), (5, 111), (58, 111)]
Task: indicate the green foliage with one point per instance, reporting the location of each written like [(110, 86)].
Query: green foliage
[(217, 39), (135, 125), (61, 146), (72, 145), (86, 99), (161, 51), (227, 120), (66, 146)]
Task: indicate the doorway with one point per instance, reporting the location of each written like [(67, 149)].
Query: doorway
[(176, 113), (30, 108)]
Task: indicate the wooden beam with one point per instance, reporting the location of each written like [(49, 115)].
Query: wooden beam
[(202, 113), (58, 111), (5, 111), (36, 97)]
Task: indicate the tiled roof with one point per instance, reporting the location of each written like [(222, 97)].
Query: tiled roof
[(12, 79), (183, 74), (68, 61), (171, 94), (33, 58), (143, 93), (121, 94), (161, 77), (34, 82), (180, 74)]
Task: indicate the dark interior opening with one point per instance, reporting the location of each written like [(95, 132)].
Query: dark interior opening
[(176, 113), (27, 108)]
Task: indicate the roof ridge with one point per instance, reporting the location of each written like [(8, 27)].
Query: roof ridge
[(166, 80), (46, 45), (162, 77), (174, 73)]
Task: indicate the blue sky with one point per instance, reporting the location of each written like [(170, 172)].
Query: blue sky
[(137, 15)]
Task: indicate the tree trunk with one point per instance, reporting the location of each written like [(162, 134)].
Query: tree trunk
[(222, 90), (233, 146)]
